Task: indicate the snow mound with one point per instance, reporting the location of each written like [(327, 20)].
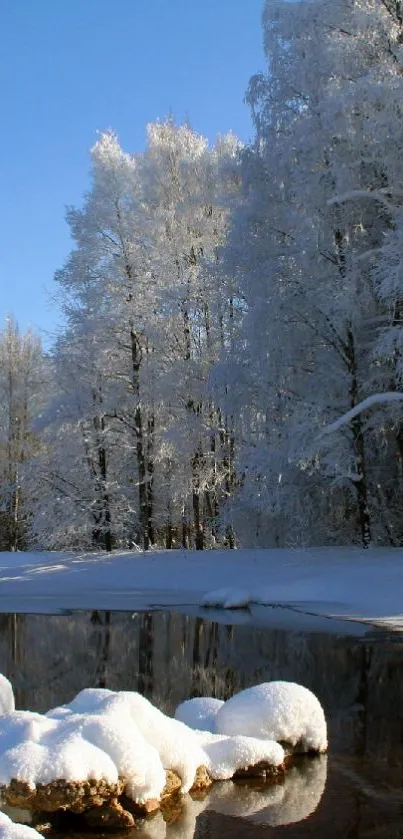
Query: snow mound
[(130, 731), (281, 711), (227, 598), (101, 743), (199, 713), (7, 702), (179, 747), (9, 830), (224, 756)]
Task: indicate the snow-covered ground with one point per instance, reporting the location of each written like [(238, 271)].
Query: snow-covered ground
[(335, 584)]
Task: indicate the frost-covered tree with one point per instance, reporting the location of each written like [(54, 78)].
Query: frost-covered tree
[(189, 188), (140, 449), (321, 187), (24, 379)]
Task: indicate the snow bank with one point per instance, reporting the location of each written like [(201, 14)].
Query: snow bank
[(9, 830), (325, 581), (281, 711), (199, 712)]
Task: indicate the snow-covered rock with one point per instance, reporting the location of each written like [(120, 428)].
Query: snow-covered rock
[(9, 830), (85, 755), (7, 702), (281, 711), (116, 742), (199, 713), (225, 756), (160, 741)]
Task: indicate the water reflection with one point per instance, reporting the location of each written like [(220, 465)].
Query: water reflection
[(170, 657), (281, 804)]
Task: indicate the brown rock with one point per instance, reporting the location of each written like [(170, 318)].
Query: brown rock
[(202, 780), (173, 784), (110, 816), (261, 770), (76, 796)]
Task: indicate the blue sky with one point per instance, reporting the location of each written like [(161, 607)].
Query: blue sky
[(71, 67)]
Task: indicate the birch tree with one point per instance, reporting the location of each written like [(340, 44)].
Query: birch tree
[(23, 388)]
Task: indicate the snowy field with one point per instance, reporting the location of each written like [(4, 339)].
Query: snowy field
[(310, 586)]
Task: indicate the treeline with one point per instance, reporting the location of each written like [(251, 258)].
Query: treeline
[(222, 306)]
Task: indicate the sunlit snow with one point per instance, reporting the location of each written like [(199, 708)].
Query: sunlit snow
[(103, 735), (281, 711), (9, 830), (344, 583), (199, 712)]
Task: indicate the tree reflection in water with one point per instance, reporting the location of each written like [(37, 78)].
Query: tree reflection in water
[(170, 657)]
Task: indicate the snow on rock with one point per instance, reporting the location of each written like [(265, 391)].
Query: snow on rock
[(224, 756), (102, 735), (176, 744), (120, 741), (199, 713), (227, 598), (171, 740), (281, 711), (101, 743), (9, 830), (109, 722), (7, 702)]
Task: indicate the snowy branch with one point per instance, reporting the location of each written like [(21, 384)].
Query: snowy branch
[(369, 402)]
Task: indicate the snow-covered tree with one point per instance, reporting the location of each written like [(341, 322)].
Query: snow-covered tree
[(24, 378), (134, 427), (319, 203)]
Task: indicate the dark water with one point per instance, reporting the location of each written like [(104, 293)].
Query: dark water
[(356, 792)]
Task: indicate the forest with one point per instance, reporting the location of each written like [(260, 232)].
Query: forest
[(222, 306)]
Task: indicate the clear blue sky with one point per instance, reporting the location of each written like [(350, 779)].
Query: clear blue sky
[(71, 67)]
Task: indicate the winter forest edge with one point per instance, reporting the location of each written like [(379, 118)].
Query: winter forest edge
[(223, 305)]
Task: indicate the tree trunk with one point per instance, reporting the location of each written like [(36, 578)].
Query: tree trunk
[(136, 356), (184, 541), (103, 531), (227, 441), (360, 482), (107, 535), (198, 526)]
